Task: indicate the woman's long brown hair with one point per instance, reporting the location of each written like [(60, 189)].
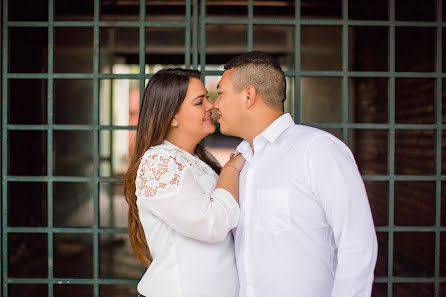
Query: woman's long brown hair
[(162, 99)]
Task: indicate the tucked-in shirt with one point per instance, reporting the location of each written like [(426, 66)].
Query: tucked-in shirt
[(187, 224), (305, 226)]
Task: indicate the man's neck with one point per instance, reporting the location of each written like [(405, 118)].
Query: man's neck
[(259, 124)]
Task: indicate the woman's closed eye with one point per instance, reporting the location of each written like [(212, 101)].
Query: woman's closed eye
[(199, 102)]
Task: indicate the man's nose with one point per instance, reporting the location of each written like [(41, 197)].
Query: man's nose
[(216, 103)]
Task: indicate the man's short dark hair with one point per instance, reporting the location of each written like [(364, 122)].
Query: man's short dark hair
[(261, 71)]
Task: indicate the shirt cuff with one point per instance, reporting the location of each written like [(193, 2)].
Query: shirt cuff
[(227, 201)]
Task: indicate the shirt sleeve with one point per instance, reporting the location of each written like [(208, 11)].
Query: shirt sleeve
[(339, 188), (166, 186)]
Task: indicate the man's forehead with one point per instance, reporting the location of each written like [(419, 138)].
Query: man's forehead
[(224, 78), (227, 72)]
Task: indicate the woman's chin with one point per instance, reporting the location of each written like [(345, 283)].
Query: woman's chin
[(210, 129)]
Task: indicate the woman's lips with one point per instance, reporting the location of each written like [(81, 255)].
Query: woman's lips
[(209, 118)]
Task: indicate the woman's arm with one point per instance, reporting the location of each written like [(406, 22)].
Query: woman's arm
[(229, 175), (167, 188)]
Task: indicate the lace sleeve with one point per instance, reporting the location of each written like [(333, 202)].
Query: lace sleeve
[(159, 174), (167, 188)]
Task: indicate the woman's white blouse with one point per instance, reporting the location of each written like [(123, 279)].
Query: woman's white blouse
[(186, 222)]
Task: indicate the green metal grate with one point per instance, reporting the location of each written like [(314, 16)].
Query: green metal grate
[(195, 44)]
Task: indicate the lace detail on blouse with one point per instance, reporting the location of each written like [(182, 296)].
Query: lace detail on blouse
[(179, 189), (158, 174)]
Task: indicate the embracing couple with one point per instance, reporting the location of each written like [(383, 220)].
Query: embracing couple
[(286, 216)]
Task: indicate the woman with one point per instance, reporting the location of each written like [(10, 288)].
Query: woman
[(178, 205)]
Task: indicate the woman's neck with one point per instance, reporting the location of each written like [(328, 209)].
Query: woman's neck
[(184, 144)]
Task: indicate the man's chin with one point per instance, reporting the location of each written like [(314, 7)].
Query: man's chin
[(225, 131)]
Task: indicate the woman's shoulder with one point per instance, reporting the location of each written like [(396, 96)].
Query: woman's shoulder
[(170, 156), (157, 156), (163, 151), (160, 171)]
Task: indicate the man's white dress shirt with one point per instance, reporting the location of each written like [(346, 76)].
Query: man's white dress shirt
[(187, 224), (305, 226)]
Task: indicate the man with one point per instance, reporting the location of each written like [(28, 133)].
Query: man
[(305, 227)]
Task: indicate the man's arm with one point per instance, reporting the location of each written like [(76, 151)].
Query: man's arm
[(338, 186)]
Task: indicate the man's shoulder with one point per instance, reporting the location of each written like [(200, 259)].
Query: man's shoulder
[(300, 139), (303, 135)]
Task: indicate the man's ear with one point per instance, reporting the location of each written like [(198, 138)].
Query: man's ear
[(251, 96)]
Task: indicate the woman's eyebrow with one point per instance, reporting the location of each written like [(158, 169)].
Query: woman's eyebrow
[(199, 96)]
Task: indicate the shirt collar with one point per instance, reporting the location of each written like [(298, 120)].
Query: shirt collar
[(244, 148), (277, 127), (271, 133)]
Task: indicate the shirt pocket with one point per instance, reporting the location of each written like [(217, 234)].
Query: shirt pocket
[(274, 209)]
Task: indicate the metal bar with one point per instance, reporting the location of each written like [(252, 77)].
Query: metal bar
[(115, 230), (69, 127), (60, 179), (75, 76), (345, 106), (391, 144), (318, 125), (405, 177), (195, 35), (187, 43), (250, 25), (118, 179), (220, 72), (297, 63), (438, 150), (316, 22), (72, 281), (4, 148), (99, 23), (226, 20), (71, 230), (202, 38), (110, 140), (409, 229), (132, 282), (110, 144), (408, 279), (376, 126), (50, 236), (142, 50), (1, 149), (95, 148)]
